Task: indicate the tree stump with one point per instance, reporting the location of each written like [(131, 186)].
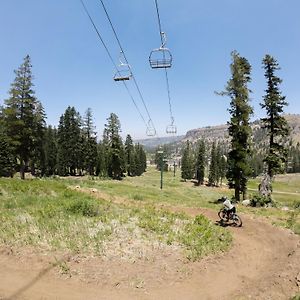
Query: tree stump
[(265, 187)]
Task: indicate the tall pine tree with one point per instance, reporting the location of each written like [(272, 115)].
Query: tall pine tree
[(24, 118), (139, 160), (187, 170), (239, 128), (275, 123), (129, 154), (116, 154), (200, 162), (90, 143), (50, 146), (69, 142), (6, 155), (213, 166)]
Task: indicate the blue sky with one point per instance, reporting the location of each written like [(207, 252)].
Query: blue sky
[(71, 67)]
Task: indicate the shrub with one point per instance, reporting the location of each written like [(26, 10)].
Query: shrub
[(138, 197), (261, 201), (82, 207), (296, 205)]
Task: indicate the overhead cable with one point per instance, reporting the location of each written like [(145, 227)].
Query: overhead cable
[(112, 60), (122, 50), (162, 38)]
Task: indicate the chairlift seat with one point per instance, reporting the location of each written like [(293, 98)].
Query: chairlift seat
[(160, 58), (150, 131), (171, 129), (122, 75)]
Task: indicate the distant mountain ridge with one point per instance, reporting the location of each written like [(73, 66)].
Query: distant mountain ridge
[(220, 133)]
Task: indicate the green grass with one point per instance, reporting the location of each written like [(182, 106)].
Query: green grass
[(146, 188), (286, 192), (47, 215), (286, 189)]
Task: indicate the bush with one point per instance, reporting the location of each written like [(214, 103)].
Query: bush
[(296, 205), (261, 201), (82, 207)]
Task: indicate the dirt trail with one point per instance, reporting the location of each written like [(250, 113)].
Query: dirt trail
[(264, 263)]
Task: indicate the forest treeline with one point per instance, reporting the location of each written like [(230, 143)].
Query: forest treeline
[(28, 144)]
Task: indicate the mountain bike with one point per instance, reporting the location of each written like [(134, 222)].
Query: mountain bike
[(225, 217)]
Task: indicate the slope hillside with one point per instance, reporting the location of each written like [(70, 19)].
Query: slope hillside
[(220, 132)]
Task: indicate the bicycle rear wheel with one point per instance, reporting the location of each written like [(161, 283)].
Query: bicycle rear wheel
[(223, 215)]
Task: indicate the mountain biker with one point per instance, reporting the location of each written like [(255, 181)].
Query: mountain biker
[(229, 207)]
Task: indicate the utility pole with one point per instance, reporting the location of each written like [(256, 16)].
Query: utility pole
[(161, 167), (174, 168)]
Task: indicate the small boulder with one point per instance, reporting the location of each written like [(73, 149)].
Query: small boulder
[(246, 202), (285, 208)]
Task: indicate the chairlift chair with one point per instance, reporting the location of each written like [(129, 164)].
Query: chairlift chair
[(161, 57), (124, 71), (122, 75), (171, 129), (150, 131)]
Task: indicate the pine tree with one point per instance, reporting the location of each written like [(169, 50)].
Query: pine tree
[(23, 117), (275, 123), (130, 157), (90, 143), (239, 128), (69, 142), (187, 162), (200, 163), (38, 155), (102, 158), (143, 158), (116, 154), (50, 146), (140, 160), (213, 167), (6, 157)]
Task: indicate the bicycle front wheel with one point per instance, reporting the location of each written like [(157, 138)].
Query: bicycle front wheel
[(237, 221)]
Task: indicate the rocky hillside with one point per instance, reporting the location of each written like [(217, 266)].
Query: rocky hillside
[(220, 132), (208, 133)]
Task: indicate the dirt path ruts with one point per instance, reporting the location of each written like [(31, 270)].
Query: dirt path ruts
[(263, 263)]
